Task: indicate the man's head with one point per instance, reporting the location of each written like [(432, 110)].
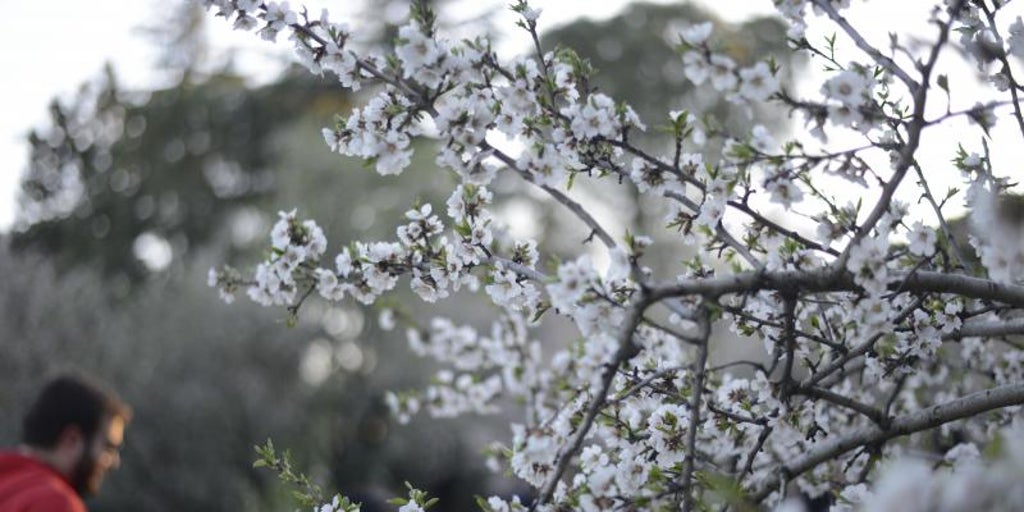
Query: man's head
[(77, 427)]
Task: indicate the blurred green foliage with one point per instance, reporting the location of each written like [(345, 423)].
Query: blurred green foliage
[(637, 62)]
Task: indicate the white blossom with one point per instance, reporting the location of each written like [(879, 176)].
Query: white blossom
[(922, 240), (758, 82), (695, 67), (1015, 42), (722, 72), (415, 50), (848, 88), (697, 34)]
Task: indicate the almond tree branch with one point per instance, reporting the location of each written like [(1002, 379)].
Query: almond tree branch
[(759, 323), (823, 280), (720, 231), (699, 369), (914, 128), (989, 329), (858, 39), (1007, 70), (761, 438), (958, 253), (627, 349), (573, 206), (876, 415), (520, 269), (789, 338), (747, 210), (970, 405), (859, 350), (660, 374), (421, 99)]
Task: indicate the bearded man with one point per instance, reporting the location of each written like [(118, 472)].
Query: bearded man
[(71, 437)]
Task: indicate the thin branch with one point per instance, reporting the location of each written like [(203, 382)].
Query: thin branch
[(646, 382), (738, 418), (627, 349), (699, 368), (519, 268), (857, 351), (648, 322), (764, 322), (789, 338), (573, 206), (720, 231), (858, 39), (894, 395), (749, 465), (583, 214), (913, 127), (953, 244), (421, 99), (1001, 56), (823, 280), (874, 414), (750, 212), (753, 364)]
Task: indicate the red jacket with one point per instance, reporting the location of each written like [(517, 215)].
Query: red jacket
[(28, 485)]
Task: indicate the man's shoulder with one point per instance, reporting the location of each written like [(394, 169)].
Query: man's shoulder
[(27, 485)]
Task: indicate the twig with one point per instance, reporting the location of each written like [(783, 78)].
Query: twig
[(573, 206), (858, 39), (953, 244), (913, 128), (627, 349), (699, 368), (876, 415)]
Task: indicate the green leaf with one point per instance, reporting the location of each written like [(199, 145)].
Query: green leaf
[(482, 504), (541, 309)]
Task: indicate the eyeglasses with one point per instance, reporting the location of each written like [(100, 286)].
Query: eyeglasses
[(112, 448)]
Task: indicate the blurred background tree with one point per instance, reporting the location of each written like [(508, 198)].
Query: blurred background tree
[(637, 62), (130, 196)]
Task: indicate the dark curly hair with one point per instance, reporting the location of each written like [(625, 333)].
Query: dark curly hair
[(70, 400)]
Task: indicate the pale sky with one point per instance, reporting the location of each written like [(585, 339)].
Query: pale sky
[(50, 47)]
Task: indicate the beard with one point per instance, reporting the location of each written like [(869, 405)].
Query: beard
[(85, 477)]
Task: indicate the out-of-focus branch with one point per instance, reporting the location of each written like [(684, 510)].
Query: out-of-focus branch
[(823, 280), (699, 369), (627, 349), (970, 405)]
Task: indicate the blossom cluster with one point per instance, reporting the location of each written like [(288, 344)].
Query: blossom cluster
[(876, 335)]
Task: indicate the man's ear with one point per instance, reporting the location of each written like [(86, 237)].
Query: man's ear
[(71, 439)]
